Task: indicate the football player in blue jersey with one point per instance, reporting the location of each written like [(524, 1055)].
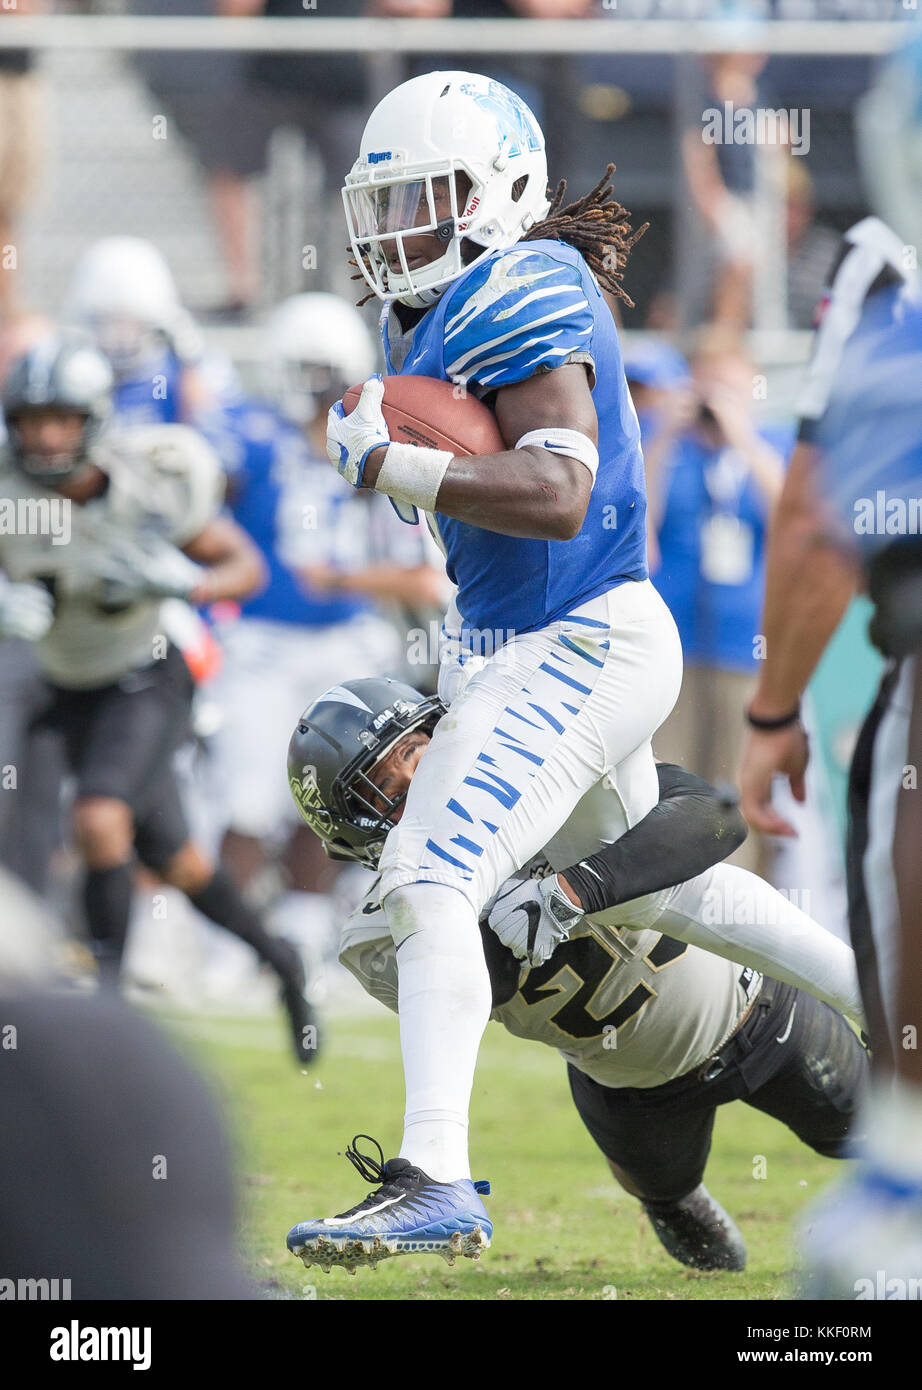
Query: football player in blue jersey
[(491, 285), (122, 293), (851, 511)]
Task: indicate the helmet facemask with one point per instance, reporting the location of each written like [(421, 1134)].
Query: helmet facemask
[(302, 388), (384, 212), (50, 469), (422, 139), (130, 345), (366, 807)]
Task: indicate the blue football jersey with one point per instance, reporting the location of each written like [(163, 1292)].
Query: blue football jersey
[(150, 399), (529, 309), (862, 405), (295, 509)]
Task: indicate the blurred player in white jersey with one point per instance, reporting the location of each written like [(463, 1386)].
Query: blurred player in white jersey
[(100, 527), (490, 283), (333, 558), (851, 512), (656, 1031)]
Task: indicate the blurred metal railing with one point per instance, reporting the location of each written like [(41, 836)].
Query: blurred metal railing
[(313, 34)]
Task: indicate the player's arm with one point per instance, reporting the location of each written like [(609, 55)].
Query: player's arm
[(519, 330), (410, 584), (809, 581), (692, 827), (233, 566), (529, 492), (808, 586)]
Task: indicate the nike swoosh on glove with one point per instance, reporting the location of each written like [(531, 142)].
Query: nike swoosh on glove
[(26, 611), (351, 438), (533, 918)]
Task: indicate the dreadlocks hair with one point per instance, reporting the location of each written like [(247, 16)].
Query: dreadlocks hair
[(598, 227), (595, 225)]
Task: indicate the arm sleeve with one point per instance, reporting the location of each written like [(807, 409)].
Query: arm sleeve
[(517, 315), (692, 827)]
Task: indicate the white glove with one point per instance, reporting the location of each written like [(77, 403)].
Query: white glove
[(26, 610), (351, 438), (456, 665), (532, 917), (146, 570)]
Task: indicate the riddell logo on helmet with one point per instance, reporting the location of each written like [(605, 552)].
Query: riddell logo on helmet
[(468, 213), (379, 156)]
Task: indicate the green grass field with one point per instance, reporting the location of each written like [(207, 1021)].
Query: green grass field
[(564, 1229)]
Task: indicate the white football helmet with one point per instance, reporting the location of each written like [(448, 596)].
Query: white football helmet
[(123, 294), (417, 139), (314, 347)]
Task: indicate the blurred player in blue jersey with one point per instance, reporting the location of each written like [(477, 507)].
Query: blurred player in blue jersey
[(122, 293), (851, 510), (490, 285), (333, 556)]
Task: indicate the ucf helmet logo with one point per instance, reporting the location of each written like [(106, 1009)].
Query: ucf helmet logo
[(307, 797)]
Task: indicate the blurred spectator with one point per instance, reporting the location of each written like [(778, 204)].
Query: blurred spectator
[(227, 106), (20, 150), (653, 370), (206, 95), (722, 182), (812, 247), (888, 135), (712, 478), (323, 98), (534, 78)]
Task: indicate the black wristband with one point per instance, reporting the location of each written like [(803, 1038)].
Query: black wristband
[(770, 725)]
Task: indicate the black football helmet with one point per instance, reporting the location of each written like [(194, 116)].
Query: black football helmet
[(63, 372), (339, 739)]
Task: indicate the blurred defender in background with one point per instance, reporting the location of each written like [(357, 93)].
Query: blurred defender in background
[(334, 557), (125, 519)]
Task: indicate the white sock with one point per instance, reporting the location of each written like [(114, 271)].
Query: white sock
[(892, 1120), (735, 914), (444, 1003)]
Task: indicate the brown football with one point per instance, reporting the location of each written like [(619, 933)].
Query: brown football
[(435, 415)]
